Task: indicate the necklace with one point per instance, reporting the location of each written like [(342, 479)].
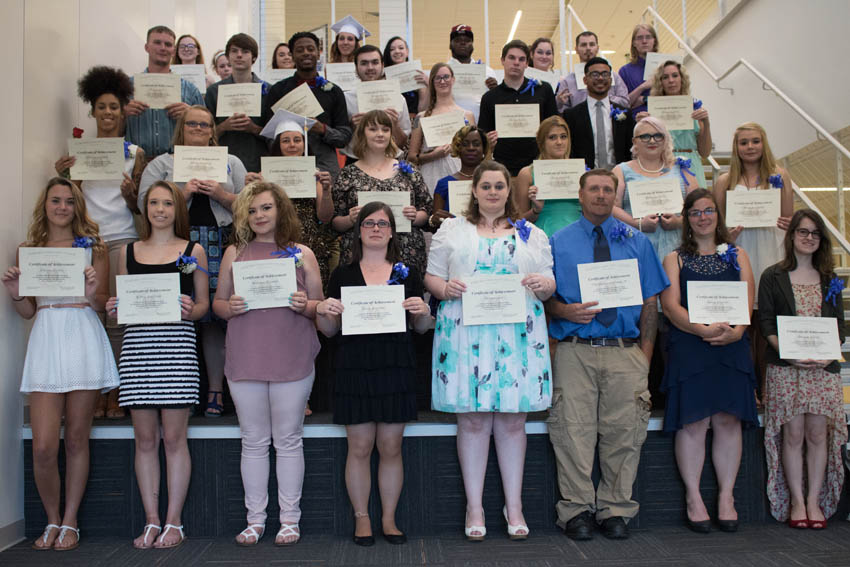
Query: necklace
[(659, 170), (492, 227), (464, 174)]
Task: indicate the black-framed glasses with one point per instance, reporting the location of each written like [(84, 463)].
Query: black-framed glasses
[(442, 78), (645, 138), (696, 213), (369, 223), (196, 124), (599, 74), (805, 233)]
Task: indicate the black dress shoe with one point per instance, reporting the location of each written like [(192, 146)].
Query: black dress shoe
[(614, 528), (580, 527), (395, 539), (365, 541), (700, 527), (728, 526)]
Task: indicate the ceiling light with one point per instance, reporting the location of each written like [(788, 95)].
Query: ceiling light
[(514, 26)]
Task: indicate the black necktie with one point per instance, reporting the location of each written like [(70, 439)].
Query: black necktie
[(602, 253)]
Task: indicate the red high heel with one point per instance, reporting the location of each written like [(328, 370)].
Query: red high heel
[(799, 524), (818, 524)]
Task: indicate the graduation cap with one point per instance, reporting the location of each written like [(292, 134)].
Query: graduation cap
[(349, 25), (285, 121)]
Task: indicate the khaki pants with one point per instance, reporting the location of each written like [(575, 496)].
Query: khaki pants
[(600, 400)]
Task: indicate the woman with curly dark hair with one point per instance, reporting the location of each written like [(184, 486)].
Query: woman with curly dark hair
[(112, 202)]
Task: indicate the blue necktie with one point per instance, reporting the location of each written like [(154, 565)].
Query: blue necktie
[(602, 253)]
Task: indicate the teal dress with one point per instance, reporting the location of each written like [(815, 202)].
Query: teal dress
[(491, 368), (687, 140), (557, 213), (663, 241)]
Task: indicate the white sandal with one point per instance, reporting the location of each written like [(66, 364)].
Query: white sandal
[(147, 532), (515, 531), (46, 534), (469, 531), (285, 531), (250, 532), (62, 531), (165, 531)]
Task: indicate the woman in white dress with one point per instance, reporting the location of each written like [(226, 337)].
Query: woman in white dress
[(69, 360)]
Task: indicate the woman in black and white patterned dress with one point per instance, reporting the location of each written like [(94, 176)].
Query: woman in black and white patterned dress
[(159, 362)]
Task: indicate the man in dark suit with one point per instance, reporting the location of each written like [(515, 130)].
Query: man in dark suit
[(601, 130)]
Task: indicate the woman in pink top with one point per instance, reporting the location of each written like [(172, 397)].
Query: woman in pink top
[(269, 356)]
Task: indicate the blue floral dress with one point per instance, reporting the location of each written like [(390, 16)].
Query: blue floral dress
[(501, 368)]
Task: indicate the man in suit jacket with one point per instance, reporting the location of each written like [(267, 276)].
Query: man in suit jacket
[(614, 145)]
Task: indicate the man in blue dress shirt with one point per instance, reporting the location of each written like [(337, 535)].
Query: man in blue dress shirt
[(600, 398)]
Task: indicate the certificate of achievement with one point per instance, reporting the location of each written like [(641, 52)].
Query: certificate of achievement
[(517, 120), (459, 192), (653, 196), (805, 338), (372, 309), (557, 178), (469, 79), (405, 73), (718, 302), (242, 98), (653, 60), (379, 95), (52, 272), (300, 101), (148, 298), (195, 74), (675, 111), (200, 162), (612, 284), (265, 283), (490, 300), (157, 90), (297, 175), (97, 158), (273, 76), (395, 200), (343, 75), (441, 128), (542, 76), (757, 208), (579, 71)]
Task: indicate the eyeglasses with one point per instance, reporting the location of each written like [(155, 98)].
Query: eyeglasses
[(369, 223), (187, 46), (696, 213), (804, 233), (645, 138), (442, 78), (599, 74), (201, 125)]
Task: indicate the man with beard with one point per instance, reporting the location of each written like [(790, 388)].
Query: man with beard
[(568, 94)]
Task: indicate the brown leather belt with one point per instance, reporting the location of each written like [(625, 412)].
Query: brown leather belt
[(64, 306), (691, 150), (598, 342)]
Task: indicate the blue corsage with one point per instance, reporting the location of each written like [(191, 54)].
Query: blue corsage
[(399, 273), (684, 165), (697, 104), (728, 254), (323, 83), (621, 231), (290, 252), (127, 149), (265, 88), (404, 167), (228, 169), (523, 229), (833, 293), (776, 182), (531, 85), (83, 242), (586, 168), (188, 264), (618, 114)]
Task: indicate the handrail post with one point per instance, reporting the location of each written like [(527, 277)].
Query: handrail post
[(570, 28), (839, 188), (561, 19), (685, 20)]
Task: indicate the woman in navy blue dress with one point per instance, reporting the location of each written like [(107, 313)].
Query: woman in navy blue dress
[(709, 377)]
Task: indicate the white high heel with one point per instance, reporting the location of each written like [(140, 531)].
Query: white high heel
[(482, 531), (515, 529)]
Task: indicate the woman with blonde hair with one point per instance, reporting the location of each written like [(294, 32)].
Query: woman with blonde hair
[(644, 40), (652, 151), (270, 356), (553, 142), (220, 66), (159, 362), (436, 162), (69, 360), (210, 221)]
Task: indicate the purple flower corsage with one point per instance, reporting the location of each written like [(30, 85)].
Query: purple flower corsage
[(621, 231), (188, 264), (127, 149), (618, 114), (531, 85), (83, 242), (290, 252), (697, 104), (776, 182), (728, 254), (404, 167), (523, 229), (399, 273), (833, 293), (684, 165)]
